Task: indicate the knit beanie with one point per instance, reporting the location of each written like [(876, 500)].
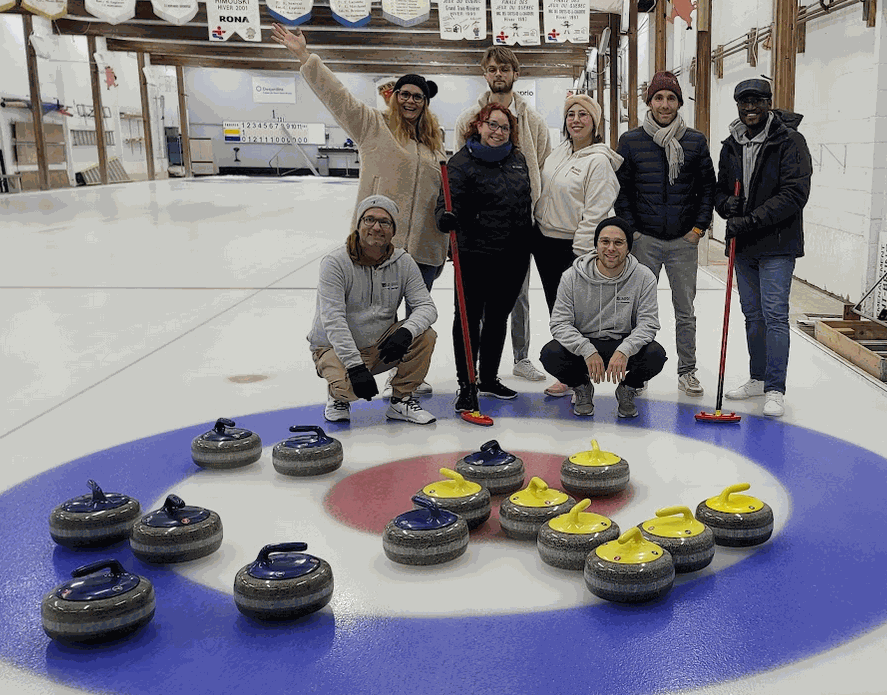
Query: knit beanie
[(429, 88), (378, 201), (588, 104), (664, 80), (615, 222)]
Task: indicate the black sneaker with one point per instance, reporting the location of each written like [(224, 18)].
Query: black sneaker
[(497, 390), (466, 399)]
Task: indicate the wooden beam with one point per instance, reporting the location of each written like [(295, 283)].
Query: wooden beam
[(146, 117), (785, 24), (661, 41), (183, 121), (702, 115), (98, 111), (36, 106), (614, 80), (633, 64)]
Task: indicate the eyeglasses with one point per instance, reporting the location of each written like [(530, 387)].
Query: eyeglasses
[(752, 101), (410, 96), (580, 115), (504, 69), (372, 221), (505, 128)]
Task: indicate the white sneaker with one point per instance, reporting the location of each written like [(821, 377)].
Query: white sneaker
[(749, 389), (386, 391), (689, 384), (423, 389), (526, 370), (774, 405), (336, 411), (409, 410)]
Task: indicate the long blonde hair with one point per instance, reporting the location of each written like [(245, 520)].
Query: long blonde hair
[(426, 132)]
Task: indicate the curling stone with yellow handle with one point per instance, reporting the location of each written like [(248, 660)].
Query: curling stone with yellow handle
[(428, 535), (690, 542), (737, 521), (566, 540), (226, 446), (630, 569), (94, 520), (498, 471), (310, 451), (523, 513), (469, 500), (594, 473)]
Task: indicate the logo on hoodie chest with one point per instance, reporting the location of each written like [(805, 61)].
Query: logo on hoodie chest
[(390, 285), (623, 299)]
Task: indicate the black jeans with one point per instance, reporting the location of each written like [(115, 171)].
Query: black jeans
[(552, 258), (571, 369)]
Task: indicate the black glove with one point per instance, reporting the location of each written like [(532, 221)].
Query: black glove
[(739, 225), (448, 222), (395, 346), (362, 382), (733, 206)]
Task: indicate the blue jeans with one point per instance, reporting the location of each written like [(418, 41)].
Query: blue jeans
[(764, 286)]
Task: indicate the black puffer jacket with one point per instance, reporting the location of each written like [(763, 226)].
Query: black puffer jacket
[(778, 190), (492, 202), (648, 202)]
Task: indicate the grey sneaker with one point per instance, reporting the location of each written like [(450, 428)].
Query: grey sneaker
[(526, 370), (625, 395), (749, 389), (689, 384), (336, 411), (583, 399), (774, 406), (423, 389), (409, 410)]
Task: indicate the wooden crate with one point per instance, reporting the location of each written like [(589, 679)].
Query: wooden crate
[(864, 343)]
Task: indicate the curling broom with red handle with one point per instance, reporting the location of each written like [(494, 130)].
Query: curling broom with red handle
[(718, 416), (472, 416)]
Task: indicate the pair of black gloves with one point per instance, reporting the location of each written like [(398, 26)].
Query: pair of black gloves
[(391, 350), (736, 222)]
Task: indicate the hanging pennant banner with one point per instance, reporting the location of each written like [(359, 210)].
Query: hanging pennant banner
[(51, 9), (462, 19), (351, 13), (566, 20), (608, 6), (4, 5), (406, 13), (290, 12), (176, 12), (515, 22), (225, 18), (111, 11)]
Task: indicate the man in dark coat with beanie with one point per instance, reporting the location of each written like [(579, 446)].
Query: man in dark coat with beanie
[(666, 193), (768, 161)]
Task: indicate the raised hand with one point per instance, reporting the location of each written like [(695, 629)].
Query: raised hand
[(294, 41)]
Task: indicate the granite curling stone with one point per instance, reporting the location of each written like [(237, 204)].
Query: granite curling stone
[(630, 569), (737, 521), (283, 583), (97, 606), (94, 520), (566, 540), (492, 468), (468, 500), (310, 452), (522, 514), (176, 533), (690, 542), (226, 446), (594, 473), (425, 536)]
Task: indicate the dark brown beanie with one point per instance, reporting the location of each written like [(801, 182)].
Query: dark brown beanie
[(664, 80)]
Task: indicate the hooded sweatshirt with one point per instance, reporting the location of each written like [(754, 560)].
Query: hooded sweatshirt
[(578, 191), (591, 305)]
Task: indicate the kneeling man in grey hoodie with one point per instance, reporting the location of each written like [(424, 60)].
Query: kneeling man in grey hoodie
[(604, 322)]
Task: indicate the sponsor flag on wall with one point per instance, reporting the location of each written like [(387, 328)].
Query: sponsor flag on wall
[(462, 19), (290, 12), (351, 13), (609, 6), (406, 13), (225, 18), (515, 22), (176, 12), (51, 9), (566, 20), (111, 11)]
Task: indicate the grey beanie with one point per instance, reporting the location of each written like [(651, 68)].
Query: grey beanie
[(378, 201)]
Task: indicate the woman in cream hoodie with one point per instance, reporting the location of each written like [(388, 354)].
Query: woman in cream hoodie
[(579, 187)]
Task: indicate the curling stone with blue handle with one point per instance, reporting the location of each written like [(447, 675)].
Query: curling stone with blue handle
[(97, 606), (425, 536), (566, 540), (630, 569), (498, 471), (283, 583), (94, 520), (468, 500), (176, 533), (690, 542), (522, 514), (737, 521), (310, 452), (226, 446), (594, 473)]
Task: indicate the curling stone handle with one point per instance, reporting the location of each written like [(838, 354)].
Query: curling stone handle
[(93, 567), (492, 446), (738, 487), (308, 428), (630, 537), (97, 494), (671, 511), (426, 503), (172, 504), (296, 547), (452, 475), (537, 486), (222, 423)]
